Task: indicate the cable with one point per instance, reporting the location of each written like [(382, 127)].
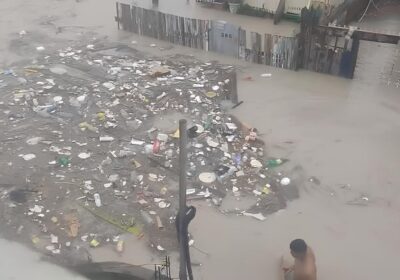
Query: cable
[(182, 230), (366, 9)]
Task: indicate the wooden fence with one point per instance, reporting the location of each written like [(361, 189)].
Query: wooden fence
[(175, 29), (258, 48)]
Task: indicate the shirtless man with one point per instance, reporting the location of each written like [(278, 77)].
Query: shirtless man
[(304, 262)]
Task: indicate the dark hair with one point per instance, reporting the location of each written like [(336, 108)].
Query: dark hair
[(298, 246)]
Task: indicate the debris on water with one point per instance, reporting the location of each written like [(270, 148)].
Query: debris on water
[(314, 180), (285, 181), (58, 99), (190, 191), (266, 75), (94, 243), (34, 140), (84, 155), (97, 199), (137, 142), (109, 85), (163, 204), (85, 125), (160, 248), (58, 70), (73, 224), (159, 71), (159, 223), (40, 48), (36, 209), (207, 177), (104, 129), (19, 196), (120, 246), (275, 162), (252, 135), (255, 163), (28, 157), (257, 216), (54, 239), (146, 217), (212, 143), (62, 161), (211, 94), (106, 138)]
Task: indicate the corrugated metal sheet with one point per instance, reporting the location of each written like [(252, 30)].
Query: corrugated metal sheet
[(224, 38)]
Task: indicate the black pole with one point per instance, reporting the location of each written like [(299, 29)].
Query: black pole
[(182, 197)]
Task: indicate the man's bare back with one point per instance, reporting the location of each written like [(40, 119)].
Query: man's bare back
[(304, 267)]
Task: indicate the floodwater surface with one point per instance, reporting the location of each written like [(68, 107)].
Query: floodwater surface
[(343, 132)]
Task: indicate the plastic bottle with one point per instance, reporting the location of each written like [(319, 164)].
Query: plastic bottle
[(274, 162), (63, 161), (238, 159), (97, 199)]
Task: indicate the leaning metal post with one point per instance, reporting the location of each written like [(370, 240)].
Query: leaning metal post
[(182, 196)]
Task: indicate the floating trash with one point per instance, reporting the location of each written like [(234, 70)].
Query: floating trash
[(207, 177), (28, 157), (84, 155), (285, 181)]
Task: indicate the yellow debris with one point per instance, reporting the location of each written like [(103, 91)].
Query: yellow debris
[(211, 94), (101, 116), (94, 243), (175, 134)]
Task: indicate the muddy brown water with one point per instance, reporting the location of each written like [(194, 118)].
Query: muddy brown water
[(343, 132)]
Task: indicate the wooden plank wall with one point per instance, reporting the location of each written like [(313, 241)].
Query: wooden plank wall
[(265, 49), (175, 29), (324, 53)]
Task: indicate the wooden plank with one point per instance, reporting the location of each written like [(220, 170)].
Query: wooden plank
[(363, 34)]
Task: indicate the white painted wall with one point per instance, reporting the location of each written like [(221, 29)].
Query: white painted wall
[(295, 6), (329, 2), (269, 5)]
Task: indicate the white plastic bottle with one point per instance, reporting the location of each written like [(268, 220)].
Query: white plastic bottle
[(97, 199)]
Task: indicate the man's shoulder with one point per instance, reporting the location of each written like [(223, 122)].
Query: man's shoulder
[(310, 253)]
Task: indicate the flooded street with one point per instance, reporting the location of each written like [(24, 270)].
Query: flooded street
[(344, 133), (18, 262)]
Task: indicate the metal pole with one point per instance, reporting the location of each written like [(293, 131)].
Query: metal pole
[(182, 196)]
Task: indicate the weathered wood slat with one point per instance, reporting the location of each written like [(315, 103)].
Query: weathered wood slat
[(194, 33)]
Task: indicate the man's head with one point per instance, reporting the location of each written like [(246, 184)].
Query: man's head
[(298, 248)]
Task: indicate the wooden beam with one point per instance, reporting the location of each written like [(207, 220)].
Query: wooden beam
[(363, 34)]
